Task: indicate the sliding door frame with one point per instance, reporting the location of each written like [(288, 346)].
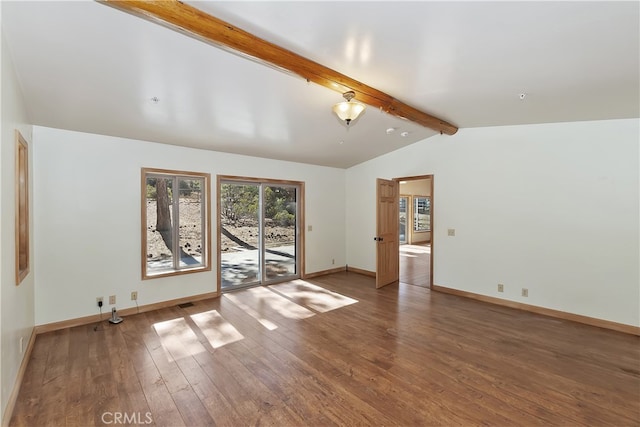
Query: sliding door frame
[(300, 221)]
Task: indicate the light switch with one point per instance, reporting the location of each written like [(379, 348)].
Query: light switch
[(451, 232), (309, 228)]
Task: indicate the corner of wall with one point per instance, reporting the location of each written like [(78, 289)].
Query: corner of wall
[(17, 317)]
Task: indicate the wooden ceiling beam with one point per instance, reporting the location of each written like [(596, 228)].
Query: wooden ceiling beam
[(200, 25)]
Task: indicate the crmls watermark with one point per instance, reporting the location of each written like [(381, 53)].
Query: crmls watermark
[(126, 418)]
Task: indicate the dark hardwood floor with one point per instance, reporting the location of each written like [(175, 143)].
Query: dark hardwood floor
[(333, 351)]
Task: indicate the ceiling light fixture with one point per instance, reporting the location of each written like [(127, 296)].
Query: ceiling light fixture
[(349, 110)]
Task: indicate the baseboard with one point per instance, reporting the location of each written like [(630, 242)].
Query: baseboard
[(361, 271), (48, 327), (324, 272), (592, 321), (13, 397)]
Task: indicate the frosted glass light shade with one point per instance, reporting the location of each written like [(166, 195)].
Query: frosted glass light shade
[(348, 111)]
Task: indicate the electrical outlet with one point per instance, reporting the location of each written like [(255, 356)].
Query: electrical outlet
[(309, 227), (500, 287), (451, 232), (112, 300), (333, 261), (525, 292), (134, 296), (99, 301)]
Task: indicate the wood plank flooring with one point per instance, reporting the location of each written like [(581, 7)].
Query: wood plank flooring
[(333, 351), (415, 264)]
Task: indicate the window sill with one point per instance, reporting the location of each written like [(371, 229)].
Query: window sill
[(169, 273)]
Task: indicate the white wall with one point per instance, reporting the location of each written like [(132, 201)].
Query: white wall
[(553, 208), (87, 218), (17, 306), (418, 187)]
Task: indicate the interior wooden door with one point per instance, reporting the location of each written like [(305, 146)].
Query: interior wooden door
[(387, 241)]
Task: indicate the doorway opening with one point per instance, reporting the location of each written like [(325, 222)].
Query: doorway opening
[(416, 230), (259, 231)]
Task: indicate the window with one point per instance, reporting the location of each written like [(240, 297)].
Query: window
[(404, 205), (176, 223), (22, 208), (421, 213)]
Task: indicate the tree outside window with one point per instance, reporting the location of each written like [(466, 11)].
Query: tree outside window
[(175, 218)]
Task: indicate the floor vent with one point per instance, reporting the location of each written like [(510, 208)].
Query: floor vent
[(185, 305)]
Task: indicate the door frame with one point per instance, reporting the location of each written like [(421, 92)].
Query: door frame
[(416, 178), (300, 237)]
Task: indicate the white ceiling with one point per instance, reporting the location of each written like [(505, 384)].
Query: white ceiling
[(87, 67)]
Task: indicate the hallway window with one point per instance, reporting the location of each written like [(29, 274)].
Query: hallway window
[(421, 213)]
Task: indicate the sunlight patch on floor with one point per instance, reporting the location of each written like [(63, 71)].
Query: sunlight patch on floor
[(282, 305), (178, 339), (313, 296), (295, 300), (218, 331), (250, 311), (415, 249)]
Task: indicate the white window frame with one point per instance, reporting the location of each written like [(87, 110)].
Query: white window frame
[(415, 213)]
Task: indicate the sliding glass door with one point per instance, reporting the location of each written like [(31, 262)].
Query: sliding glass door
[(280, 231), (239, 234), (259, 223)]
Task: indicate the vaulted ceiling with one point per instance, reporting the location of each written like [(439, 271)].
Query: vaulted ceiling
[(88, 67)]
